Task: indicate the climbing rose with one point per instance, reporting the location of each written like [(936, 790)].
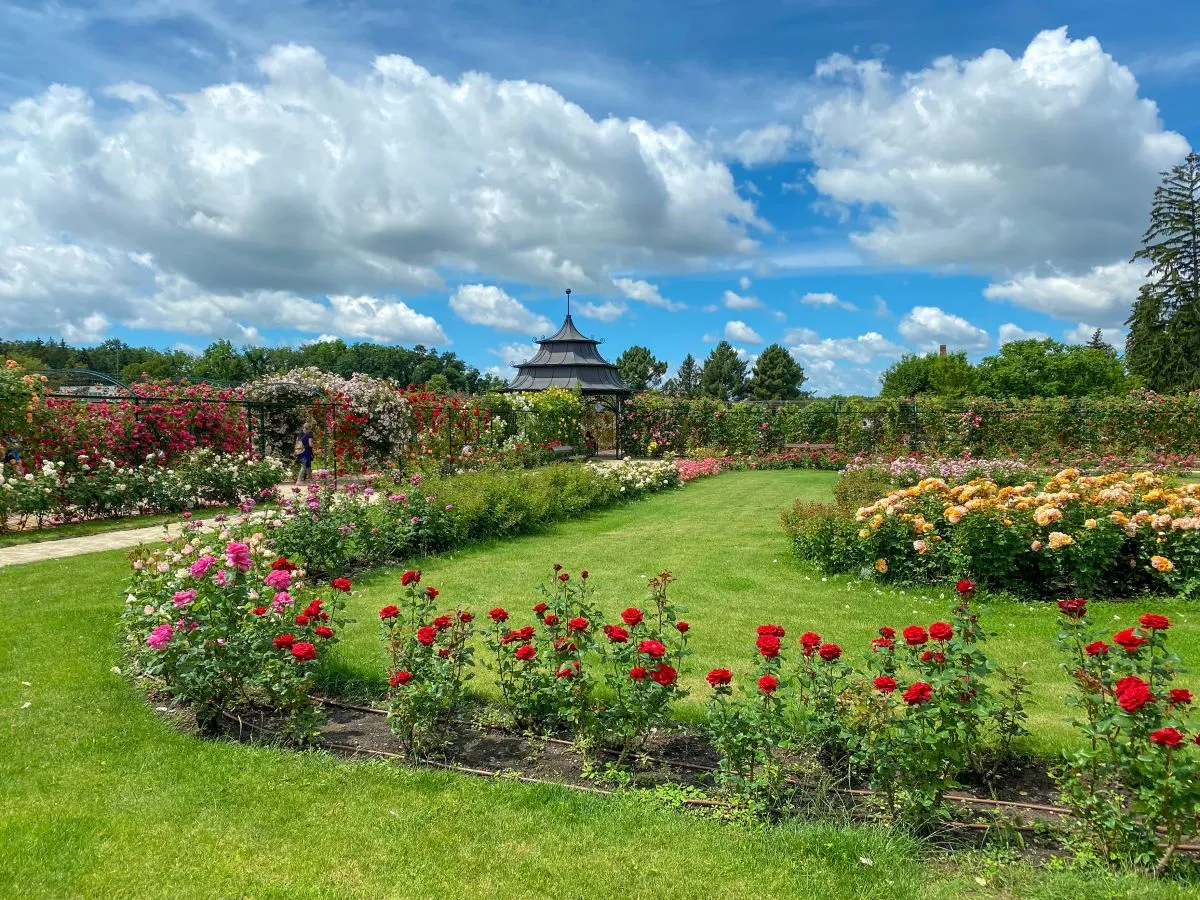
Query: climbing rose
[(340, 584), (1154, 622), (632, 617), (426, 635), (304, 650), (1095, 648), (1132, 693), (410, 577), (324, 631), (1167, 737), (965, 587), (719, 677), (768, 683), (664, 675), (616, 634), (914, 636), (768, 645), (941, 631), (283, 641), (1130, 640), (499, 614), (638, 673), (389, 612), (402, 677), (918, 692), (830, 652), (579, 623), (1075, 608), (885, 683), (526, 652)]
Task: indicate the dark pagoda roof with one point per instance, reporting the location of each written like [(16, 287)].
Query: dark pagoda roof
[(568, 359)]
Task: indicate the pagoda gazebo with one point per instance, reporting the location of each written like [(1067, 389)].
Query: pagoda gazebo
[(568, 359)]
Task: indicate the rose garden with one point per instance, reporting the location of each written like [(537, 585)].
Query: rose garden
[(855, 648)]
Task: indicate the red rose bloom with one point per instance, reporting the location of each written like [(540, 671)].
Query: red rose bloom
[(965, 587), (774, 630), (412, 576), (1166, 737), (444, 653), (567, 672), (1155, 622), (564, 577), (466, 617), (551, 620), (584, 574), (426, 635), (579, 623), (1132, 693), (313, 610), (1129, 639), (302, 619), (941, 631), (616, 634), (664, 675), (282, 563), (398, 678), (915, 636), (887, 632), (632, 617), (340, 584), (768, 683), (918, 692), (499, 614), (558, 567), (682, 627), (882, 643), (524, 633), (389, 612), (304, 650), (432, 593), (719, 677), (885, 683), (654, 649), (540, 608), (526, 652), (830, 652), (324, 631), (1179, 695), (1095, 648), (259, 610), (441, 623), (768, 645), (283, 641), (809, 642), (637, 673), (1075, 608)]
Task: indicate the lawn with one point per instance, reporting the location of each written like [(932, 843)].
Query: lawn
[(102, 798)]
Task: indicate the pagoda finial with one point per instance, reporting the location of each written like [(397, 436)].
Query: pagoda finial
[(568, 301)]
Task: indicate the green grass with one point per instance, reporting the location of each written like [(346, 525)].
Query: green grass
[(100, 797), (98, 526), (721, 539)]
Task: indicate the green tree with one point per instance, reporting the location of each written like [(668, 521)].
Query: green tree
[(639, 369), (1163, 346), (950, 376), (222, 362), (438, 384), (777, 376), (1048, 368), (686, 382), (723, 375)]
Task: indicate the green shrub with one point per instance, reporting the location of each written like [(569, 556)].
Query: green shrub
[(825, 535), (858, 487)]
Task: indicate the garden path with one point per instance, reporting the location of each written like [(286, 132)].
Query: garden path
[(92, 543)]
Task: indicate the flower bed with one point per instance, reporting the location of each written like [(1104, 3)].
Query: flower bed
[(704, 466), (1109, 535)]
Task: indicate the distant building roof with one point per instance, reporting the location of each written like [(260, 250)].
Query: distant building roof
[(568, 359)]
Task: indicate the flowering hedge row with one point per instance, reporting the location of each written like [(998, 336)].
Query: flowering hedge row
[(1110, 535), (57, 492)]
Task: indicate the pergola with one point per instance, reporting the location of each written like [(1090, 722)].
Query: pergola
[(568, 359)]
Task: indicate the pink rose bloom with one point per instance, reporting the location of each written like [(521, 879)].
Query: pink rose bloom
[(163, 568), (160, 636), (148, 609), (279, 579), (183, 598), (137, 565), (238, 556), (282, 599), (222, 578), (201, 566)]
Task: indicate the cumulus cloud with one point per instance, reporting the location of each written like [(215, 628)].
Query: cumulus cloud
[(759, 146), (305, 183), (512, 354), (740, 331), (827, 299), (645, 292), (607, 311), (1104, 294), (996, 164), (744, 283), (1010, 332), (740, 301), (930, 326), (486, 304), (860, 350), (1082, 333)]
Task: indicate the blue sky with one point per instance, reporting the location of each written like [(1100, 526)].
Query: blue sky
[(852, 179)]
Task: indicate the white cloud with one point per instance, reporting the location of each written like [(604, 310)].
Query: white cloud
[(800, 336), (929, 326), (512, 354), (711, 308), (827, 299), (386, 321), (740, 301), (304, 183), (91, 330), (769, 144), (996, 164), (744, 283), (880, 309), (645, 292), (740, 331), (779, 315), (1105, 294), (603, 312), (824, 377), (1010, 332), (1082, 333), (486, 304), (858, 350)]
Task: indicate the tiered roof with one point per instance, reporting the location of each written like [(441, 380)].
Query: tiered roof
[(568, 359)]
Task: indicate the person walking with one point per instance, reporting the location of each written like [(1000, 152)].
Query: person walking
[(304, 452), (12, 452)]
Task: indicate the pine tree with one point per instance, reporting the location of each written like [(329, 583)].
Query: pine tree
[(686, 382), (1097, 342), (777, 376), (723, 375), (639, 369), (1163, 346)]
